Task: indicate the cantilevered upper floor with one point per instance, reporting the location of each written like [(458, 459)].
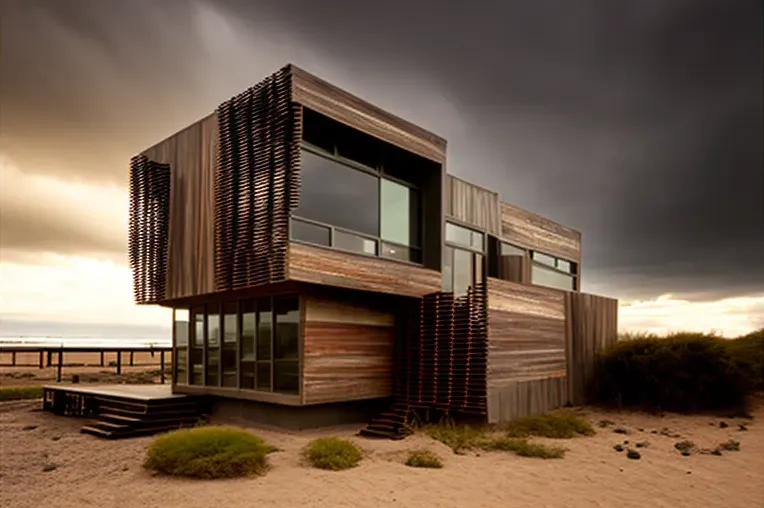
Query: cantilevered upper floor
[(295, 179)]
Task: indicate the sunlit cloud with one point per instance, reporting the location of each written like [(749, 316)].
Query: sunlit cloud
[(729, 317)]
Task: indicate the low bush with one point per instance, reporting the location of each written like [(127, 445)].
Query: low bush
[(684, 372), (558, 424), (524, 448), (20, 393), (457, 437), (747, 354), (208, 452), (424, 458), (333, 454)]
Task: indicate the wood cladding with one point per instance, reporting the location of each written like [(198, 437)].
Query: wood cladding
[(592, 327), (529, 230), (526, 343), (148, 227), (347, 350), (514, 268), (472, 205), (320, 265), (257, 183), (441, 363), (523, 398), (327, 99), (192, 157)]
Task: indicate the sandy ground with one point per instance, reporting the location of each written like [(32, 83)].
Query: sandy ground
[(96, 473)]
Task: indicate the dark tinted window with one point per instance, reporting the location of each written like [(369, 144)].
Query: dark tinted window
[(311, 233), (287, 336), (336, 194), (354, 243)]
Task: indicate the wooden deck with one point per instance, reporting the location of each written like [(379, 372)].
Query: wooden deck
[(143, 393)]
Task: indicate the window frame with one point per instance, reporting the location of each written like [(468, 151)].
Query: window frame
[(477, 265), (416, 248)]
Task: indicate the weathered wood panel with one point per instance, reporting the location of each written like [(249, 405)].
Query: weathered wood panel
[(533, 231), (526, 349), (515, 268), (472, 204), (192, 156), (320, 265), (522, 398), (327, 99), (347, 350), (592, 326)]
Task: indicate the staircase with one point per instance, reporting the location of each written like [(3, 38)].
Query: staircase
[(393, 424), (121, 418)]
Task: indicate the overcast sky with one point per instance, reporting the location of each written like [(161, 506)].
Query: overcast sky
[(638, 123)]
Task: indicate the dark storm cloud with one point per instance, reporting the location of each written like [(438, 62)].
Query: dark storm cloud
[(638, 123)]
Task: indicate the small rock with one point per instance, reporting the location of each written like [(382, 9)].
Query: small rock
[(620, 430), (716, 451), (30, 427), (642, 444), (686, 453), (125, 468), (626, 442), (49, 467), (633, 455), (689, 472), (621, 470), (618, 448), (56, 438), (723, 425), (742, 426)]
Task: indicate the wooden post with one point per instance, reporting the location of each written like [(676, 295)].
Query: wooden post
[(101, 358), (161, 363), (119, 362), (60, 364), (42, 359), (13, 358), (131, 357), (50, 358)]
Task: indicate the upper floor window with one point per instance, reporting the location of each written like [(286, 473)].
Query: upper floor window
[(553, 272), (349, 199), (462, 259)]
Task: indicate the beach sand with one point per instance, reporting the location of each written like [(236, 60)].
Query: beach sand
[(90, 472)]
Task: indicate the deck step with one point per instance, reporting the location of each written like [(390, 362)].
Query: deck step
[(95, 431)]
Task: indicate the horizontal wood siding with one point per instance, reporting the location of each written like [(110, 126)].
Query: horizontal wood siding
[(533, 231), (327, 99), (472, 204), (347, 350), (319, 265), (526, 349), (592, 327), (192, 156), (515, 268)]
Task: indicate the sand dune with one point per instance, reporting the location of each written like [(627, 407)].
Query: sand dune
[(95, 473)]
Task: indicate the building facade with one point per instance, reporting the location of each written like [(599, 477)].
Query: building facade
[(315, 253)]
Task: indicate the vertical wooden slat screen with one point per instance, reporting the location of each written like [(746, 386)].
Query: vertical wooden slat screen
[(592, 327), (472, 204), (148, 228), (257, 183)]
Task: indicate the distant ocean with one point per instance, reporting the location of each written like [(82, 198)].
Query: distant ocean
[(56, 334)]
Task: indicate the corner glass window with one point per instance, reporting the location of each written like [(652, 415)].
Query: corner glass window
[(465, 237)]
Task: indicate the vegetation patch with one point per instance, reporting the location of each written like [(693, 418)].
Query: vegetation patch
[(424, 458), (685, 447), (730, 446), (20, 393), (208, 452), (681, 372), (333, 454), (523, 448), (463, 437), (457, 437), (559, 425)]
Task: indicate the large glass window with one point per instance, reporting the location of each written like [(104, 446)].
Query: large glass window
[(543, 276), (228, 353), (338, 195), (263, 354), (180, 355), (462, 259), (248, 337), (351, 206), (213, 345), (464, 237), (286, 355), (197, 347)]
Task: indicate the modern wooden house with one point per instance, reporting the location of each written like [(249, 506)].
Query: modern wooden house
[(319, 260)]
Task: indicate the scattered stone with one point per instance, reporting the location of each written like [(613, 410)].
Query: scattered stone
[(56, 438), (620, 430), (47, 468), (30, 427), (716, 451), (642, 444), (686, 447), (689, 472), (730, 446), (641, 430), (723, 425), (626, 442), (125, 468), (618, 448), (742, 426), (605, 423), (633, 454)]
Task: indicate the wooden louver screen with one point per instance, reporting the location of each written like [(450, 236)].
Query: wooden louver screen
[(148, 228), (442, 362), (257, 183)]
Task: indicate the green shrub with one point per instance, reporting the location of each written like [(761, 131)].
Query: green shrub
[(684, 372), (424, 458), (208, 452), (20, 393), (523, 448), (558, 424), (457, 437), (747, 354), (333, 454)]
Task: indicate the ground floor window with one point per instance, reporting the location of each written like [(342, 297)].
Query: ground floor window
[(249, 344)]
